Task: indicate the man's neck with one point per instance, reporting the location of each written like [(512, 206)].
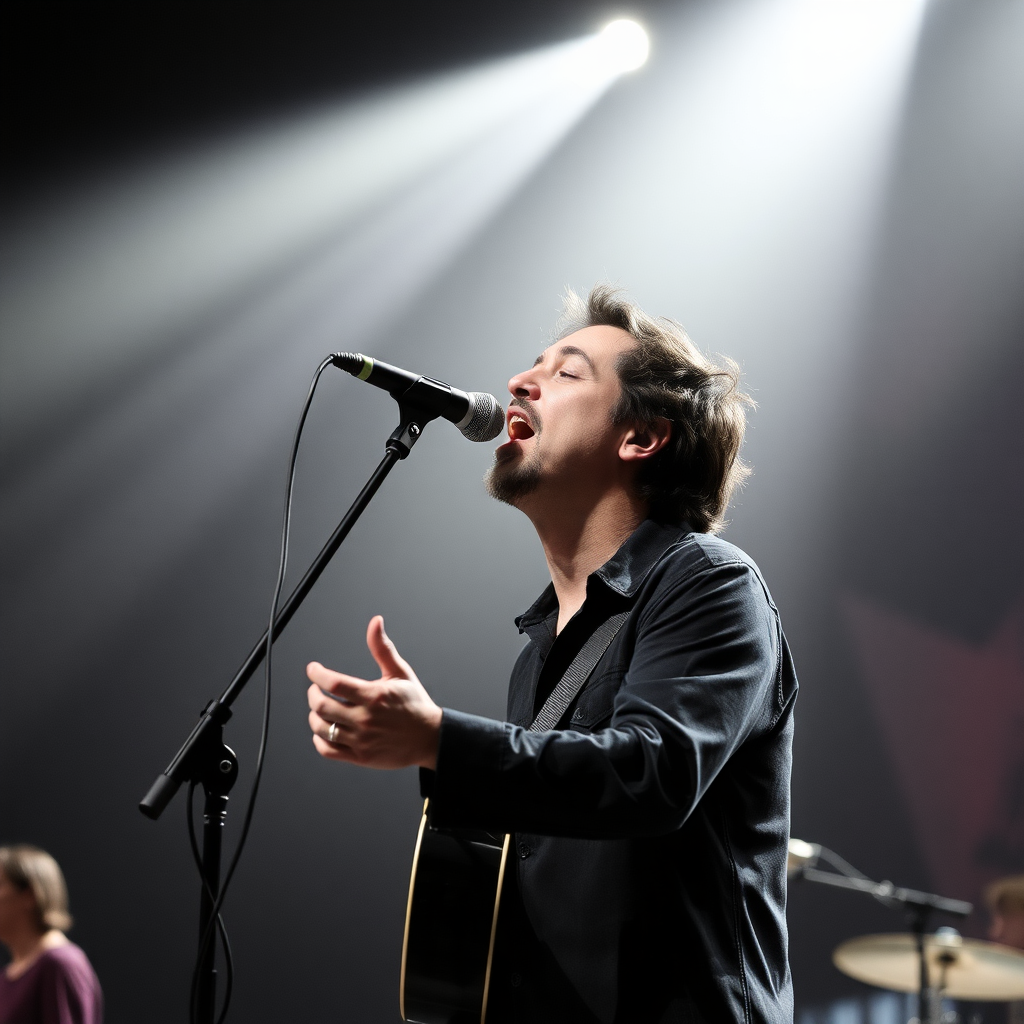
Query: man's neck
[(579, 540)]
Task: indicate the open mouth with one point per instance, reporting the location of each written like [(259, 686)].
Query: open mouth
[(519, 428)]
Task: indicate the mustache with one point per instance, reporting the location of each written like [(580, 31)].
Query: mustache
[(532, 416)]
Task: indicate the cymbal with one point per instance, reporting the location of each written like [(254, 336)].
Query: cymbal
[(964, 968)]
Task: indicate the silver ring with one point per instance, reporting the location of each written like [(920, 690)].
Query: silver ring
[(330, 732)]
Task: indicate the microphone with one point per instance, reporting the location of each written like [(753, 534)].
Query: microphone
[(478, 415)]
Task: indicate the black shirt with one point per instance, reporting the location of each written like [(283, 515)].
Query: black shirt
[(651, 829)]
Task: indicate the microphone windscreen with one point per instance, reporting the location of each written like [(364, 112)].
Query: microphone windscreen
[(485, 418)]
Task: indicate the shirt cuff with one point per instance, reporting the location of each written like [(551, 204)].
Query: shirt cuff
[(466, 786)]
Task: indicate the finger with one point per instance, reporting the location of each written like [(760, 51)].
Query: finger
[(392, 664), (334, 751), (329, 707), (335, 733), (325, 712), (348, 688)]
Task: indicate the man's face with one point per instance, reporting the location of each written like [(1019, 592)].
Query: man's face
[(559, 421)]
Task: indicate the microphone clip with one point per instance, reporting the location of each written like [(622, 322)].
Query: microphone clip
[(413, 419)]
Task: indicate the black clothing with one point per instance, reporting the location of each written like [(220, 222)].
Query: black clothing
[(651, 829)]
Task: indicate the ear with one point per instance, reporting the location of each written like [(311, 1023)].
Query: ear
[(644, 440)]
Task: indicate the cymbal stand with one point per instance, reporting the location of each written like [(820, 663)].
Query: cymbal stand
[(918, 906)]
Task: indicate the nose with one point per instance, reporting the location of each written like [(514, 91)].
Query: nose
[(524, 385)]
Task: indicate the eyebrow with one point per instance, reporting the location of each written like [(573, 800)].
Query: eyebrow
[(570, 350)]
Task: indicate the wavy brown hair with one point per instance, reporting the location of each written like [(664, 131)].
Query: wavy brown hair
[(665, 375)]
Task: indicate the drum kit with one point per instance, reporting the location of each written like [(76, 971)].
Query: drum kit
[(936, 965)]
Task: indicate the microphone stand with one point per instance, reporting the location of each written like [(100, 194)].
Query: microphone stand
[(205, 759), (918, 905)]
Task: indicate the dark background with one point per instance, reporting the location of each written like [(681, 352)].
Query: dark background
[(879, 328)]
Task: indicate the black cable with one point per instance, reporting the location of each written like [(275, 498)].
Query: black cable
[(222, 931), (260, 756)]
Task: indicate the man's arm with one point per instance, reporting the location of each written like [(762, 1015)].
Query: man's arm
[(702, 677)]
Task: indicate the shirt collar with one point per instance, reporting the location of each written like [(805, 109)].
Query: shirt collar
[(623, 573)]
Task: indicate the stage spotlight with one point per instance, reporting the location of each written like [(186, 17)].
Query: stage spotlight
[(624, 44)]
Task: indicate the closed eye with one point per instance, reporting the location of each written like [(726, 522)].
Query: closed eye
[(566, 373)]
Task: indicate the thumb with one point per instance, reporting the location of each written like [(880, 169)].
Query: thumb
[(392, 665)]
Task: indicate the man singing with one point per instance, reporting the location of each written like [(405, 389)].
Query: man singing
[(650, 823)]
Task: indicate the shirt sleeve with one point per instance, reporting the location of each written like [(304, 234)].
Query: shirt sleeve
[(700, 680)]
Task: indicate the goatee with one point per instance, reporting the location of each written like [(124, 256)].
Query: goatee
[(510, 481)]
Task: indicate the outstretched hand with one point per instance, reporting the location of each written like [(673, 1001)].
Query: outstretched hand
[(389, 722)]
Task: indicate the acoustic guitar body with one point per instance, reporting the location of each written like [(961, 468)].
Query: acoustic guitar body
[(450, 925)]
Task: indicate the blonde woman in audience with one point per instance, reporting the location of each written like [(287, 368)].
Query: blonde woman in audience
[(49, 979)]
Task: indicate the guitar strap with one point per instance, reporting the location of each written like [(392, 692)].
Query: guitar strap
[(578, 673)]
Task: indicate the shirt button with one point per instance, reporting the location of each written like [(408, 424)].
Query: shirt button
[(516, 980), (524, 850)]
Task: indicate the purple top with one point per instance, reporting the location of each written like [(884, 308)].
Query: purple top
[(59, 988)]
